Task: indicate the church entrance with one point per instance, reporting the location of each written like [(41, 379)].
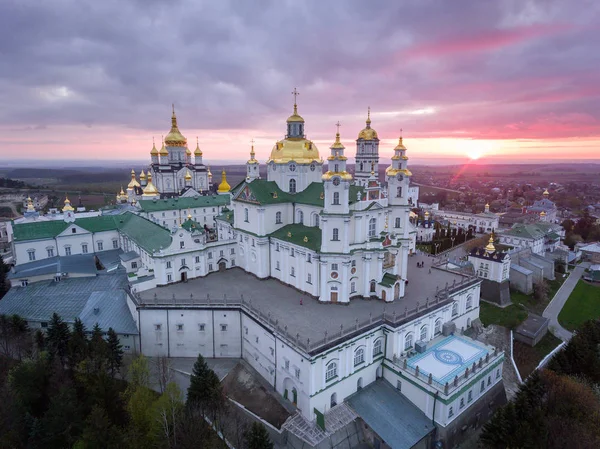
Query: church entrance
[(383, 295), (184, 276), (222, 266), (334, 297), (397, 291)]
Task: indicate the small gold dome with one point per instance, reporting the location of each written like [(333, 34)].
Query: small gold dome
[(188, 176), (154, 151), (490, 248), (150, 189), (163, 150), (368, 133), (543, 214), (142, 174), (224, 186), (188, 151), (175, 138), (67, 207), (546, 193), (133, 183), (400, 145), (337, 144), (295, 117), (198, 151)]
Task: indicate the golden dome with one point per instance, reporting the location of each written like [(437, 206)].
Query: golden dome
[(163, 150), (154, 151), (390, 171), (252, 159), (400, 145), (175, 138), (133, 183), (67, 207), (30, 207), (368, 133), (490, 248), (542, 214), (142, 174), (224, 187), (295, 117), (198, 151), (188, 176), (302, 151), (337, 144), (343, 175), (546, 193), (150, 189)]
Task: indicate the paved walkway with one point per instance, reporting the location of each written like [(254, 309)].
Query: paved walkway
[(560, 298)]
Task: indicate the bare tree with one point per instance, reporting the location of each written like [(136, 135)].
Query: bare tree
[(163, 371)]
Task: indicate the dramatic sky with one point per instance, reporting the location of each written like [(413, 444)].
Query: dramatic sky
[(504, 79)]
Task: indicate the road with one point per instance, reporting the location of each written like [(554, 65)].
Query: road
[(560, 298)]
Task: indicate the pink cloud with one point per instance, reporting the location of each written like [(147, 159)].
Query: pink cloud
[(489, 40)]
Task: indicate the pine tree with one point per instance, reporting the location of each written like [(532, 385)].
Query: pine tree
[(57, 337), (98, 349), (115, 352), (258, 437), (78, 344), (197, 392)]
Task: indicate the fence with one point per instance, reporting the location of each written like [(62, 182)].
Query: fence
[(394, 318)]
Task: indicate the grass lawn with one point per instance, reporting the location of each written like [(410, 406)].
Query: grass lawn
[(510, 316), (527, 358), (582, 305)]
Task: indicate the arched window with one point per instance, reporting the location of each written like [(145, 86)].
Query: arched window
[(331, 371), (469, 302), (373, 286), (246, 215), (423, 334), (408, 341), (359, 384), (277, 217), (336, 197), (378, 347), (455, 309), (361, 166), (397, 222), (438, 327), (300, 217), (292, 186), (372, 227), (336, 234), (333, 401), (359, 356)]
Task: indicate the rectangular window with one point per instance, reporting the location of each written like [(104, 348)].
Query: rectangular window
[(197, 259), (181, 244), (31, 255), (50, 252), (352, 287), (221, 253), (233, 262), (336, 235), (100, 246), (287, 364), (157, 327), (334, 267), (133, 264), (73, 230), (292, 272), (180, 327), (470, 396), (183, 262), (297, 372), (309, 258), (210, 267), (309, 279), (44, 325), (168, 264), (277, 267), (201, 327), (399, 385), (67, 250), (210, 254), (223, 327), (399, 192), (84, 248), (292, 252), (169, 278), (115, 244), (276, 246), (353, 263)]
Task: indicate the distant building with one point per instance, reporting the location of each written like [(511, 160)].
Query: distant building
[(493, 267), (481, 223), (545, 209), (591, 252), (540, 237)]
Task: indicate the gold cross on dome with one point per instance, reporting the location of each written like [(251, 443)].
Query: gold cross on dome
[(400, 132), (338, 124), (295, 93), (252, 142)]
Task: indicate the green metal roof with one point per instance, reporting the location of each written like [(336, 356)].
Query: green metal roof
[(38, 230), (98, 224), (146, 234), (227, 216), (184, 203), (297, 233), (388, 280)]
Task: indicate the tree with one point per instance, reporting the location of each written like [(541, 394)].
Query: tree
[(15, 338), (57, 337), (78, 344), (139, 372), (541, 290), (196, 396), (63, 422), (167, 412), (114, 352), (30, 380), (99, 432), (163, 370), (98, 349), (4, 282), (258, 437)]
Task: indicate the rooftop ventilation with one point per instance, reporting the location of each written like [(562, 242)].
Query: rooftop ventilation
[(96, 310)]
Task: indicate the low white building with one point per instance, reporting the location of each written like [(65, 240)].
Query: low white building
[(539, 237), (481, 223)]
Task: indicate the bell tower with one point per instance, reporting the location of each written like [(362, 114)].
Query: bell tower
[(367, 153)]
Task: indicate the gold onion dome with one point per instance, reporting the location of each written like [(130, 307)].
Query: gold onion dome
[(368, 133), (400, 145), (198, 151), (163, 150), (224, 186), (542, 214), (490, 248), (30, 207), (142, 174), (252, 159), (337, 144), (295, 117), (546, 193), (67, 206), (150, 189), (188, 176), (175, 138), (154, 151), (133, 183)]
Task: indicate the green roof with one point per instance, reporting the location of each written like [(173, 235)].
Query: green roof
[(268, 192), (553, 236), (184, 203), (192, 225), (296, 234), (38, 230), (146, 234), (528, 231), (388, 280), (227, 216)]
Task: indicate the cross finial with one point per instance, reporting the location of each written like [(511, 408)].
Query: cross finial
[(369, 112), (295, 93), (400, 132), (173, 105), (252, 142), (338, 124)]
